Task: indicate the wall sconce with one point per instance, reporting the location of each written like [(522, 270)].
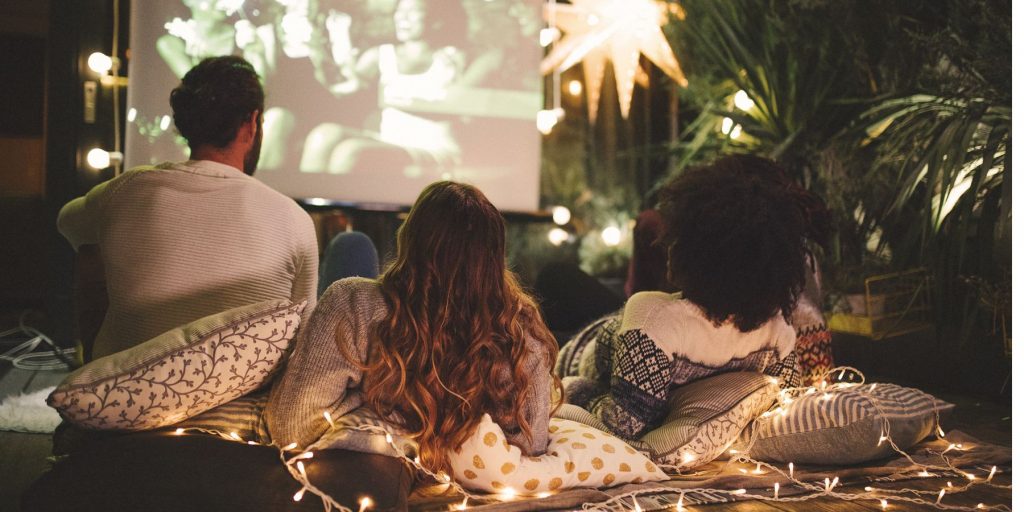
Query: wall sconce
[(101, 159)]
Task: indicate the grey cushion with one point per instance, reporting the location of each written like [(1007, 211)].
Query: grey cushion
[(846, 428), (705, 417)]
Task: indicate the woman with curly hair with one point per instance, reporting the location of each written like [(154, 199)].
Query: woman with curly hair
[(444, 336), (735, 234)]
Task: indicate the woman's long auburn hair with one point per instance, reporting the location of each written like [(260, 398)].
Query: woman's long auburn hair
[(457, 318)]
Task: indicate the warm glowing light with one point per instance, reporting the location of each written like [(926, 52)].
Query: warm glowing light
[(758, 470), (100, 63), (869, 488), (298, 495), (970, 476), (290, 446), (364, 503), (462, 506), (557, 236), (991, 474), (790, 470), (132, 114), (508, 493), (739, 491), (544, 495), (446, 477), (885, 504), (873, 386), (235, 436), (575, 87), (302, 468), (98, 158), (179, 431), (561, 215), (307, 455), (776, 490), (636, 506), (679, 504), (611, 236), (941, 433), (330, 421), (941, 494), (387, 437), (253, 443), (165, 122), (727, 125), (548, 118), (688, 457), (881, 440), (924, 474), (949, 484), (744, 103), (548, 35), (981, 505)]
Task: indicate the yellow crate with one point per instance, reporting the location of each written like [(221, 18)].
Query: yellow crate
[(893, 304)]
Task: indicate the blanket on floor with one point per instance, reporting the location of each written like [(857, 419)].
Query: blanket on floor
[(713, 482)]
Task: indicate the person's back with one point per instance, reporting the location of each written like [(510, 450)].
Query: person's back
[(181, 241)]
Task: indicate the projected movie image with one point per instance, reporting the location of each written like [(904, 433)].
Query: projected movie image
[(367, 101)]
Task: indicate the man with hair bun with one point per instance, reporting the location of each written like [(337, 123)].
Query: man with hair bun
[(180, 241)]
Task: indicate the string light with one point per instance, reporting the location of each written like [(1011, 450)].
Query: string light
[(791, 470), (298, 496), (327, 416), (306, 455), (885, 504), (776, 490), (681, 508), (290, 446), (179, 431), (508, 494), (235, 436), (942, 493), (302, 468), (364, 503), (991, 474)]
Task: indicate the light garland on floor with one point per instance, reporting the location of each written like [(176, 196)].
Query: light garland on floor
[(628, 502)]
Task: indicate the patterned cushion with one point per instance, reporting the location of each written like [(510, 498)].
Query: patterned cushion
[(846, 428), (577, 456), (182, 372), (705, 417)]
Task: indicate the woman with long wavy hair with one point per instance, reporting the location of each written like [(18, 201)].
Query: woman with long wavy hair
[(444, 336)]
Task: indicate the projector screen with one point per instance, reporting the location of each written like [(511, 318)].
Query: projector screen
[(367, 100)]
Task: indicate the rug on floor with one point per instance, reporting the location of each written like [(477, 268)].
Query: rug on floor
[(28, 412)]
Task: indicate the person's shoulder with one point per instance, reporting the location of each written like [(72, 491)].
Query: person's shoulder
[(349, 289), (656, 310), (128, 178)]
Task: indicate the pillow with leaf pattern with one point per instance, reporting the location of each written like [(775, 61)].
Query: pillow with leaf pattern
[(182, 372)]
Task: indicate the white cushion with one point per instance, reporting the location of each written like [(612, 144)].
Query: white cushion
[(182, 372)]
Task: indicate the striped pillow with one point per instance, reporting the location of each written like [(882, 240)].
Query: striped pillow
[(242, 417), (847, 428), (705, 417)]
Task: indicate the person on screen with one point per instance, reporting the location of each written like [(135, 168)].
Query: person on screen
[(425, 60), (180, 241), (444, 336)]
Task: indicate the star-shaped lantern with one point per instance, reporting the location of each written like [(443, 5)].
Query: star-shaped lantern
[(596, 31)]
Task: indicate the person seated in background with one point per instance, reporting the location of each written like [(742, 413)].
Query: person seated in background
[(736, 238), (180, 241), (444, 336)]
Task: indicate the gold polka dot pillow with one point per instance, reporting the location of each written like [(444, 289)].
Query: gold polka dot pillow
[(577, 456), (182, 372)]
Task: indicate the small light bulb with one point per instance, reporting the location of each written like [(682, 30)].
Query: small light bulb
[(98, 158), (561, 215), (298, 495), (327, 416), (179, 431), (558, 236), (790, 470), (508, 493), (548, 118), (885, 504), (991, 474), (575, 87), (307, 455), (679, 504), (235, 436), (636, 506), (387, 437), (743, 102), (941, 494), (739, 491), (611, 236), (364, 503), (100, 62), (302, 468), (462, 506)]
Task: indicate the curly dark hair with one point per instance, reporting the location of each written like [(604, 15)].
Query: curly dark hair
[(214, 99), (736, 234)]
